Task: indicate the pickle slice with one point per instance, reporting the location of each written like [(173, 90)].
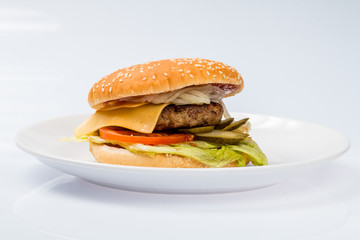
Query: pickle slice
[(222, 137), (235, 125), (224, 123), (197, 129)]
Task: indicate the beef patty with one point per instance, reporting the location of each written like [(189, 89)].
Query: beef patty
[(188, 116)]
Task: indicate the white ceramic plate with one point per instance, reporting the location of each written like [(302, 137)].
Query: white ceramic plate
[(293, 147)]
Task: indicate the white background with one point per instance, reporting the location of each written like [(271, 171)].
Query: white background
[(299, 59)]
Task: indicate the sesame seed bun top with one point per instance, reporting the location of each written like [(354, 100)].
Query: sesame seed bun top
[(164, 76)]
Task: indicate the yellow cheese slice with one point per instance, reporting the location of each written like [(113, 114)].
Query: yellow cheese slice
[(140, 119)]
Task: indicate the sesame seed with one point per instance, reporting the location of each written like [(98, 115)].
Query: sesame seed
[(144, 78), (208, 73), (141, 70), (104, 81), (153, 76), (102, 85), (182, 74), (165, 74), (114, 80), (188, 71), (110, 89), (197, 65), (102, 89), (130, 75), (120, 80), (221, 72), (192, 76), (126, 75), (93, 89), (214, 75), (97, 86), (180, 70)]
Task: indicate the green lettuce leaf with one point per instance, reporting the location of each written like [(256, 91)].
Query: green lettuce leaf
[(212, 157), (250, 148)]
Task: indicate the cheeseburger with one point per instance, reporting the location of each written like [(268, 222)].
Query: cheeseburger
[(169, 113)]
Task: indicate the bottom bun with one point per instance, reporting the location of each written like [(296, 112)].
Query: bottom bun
[(115, 155)]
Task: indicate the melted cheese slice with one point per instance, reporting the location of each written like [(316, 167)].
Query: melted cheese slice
[(140, 119)]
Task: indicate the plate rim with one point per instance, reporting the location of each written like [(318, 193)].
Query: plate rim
[(19, 143)]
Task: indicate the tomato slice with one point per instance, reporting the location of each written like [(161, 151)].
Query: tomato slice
[(124, 135)]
